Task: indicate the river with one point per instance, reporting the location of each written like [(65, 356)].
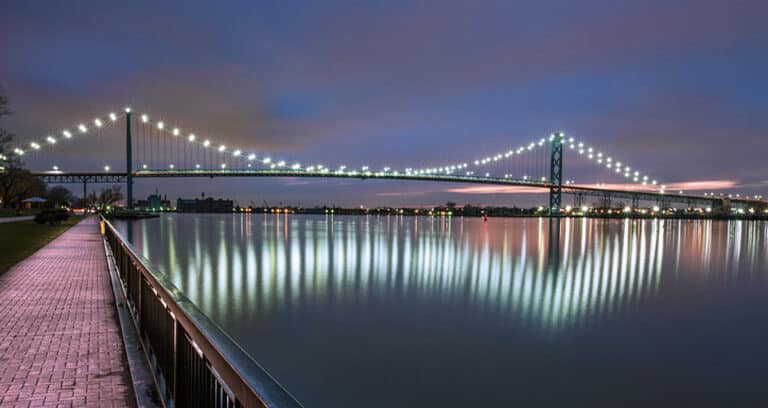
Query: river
[(382, 311)]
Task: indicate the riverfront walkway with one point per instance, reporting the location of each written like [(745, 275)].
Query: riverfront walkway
[(60, 340)]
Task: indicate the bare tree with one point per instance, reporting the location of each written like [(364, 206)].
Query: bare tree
[(17, 184), (60, 196), (105, 198), (7, 160)]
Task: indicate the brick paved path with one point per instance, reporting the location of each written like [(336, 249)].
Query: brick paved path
[(60, 341)]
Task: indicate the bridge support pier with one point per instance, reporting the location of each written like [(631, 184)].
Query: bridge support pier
[(128, 162), (607, 201), (556, 175)]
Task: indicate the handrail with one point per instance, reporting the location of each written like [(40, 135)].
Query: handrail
[(199, 364)]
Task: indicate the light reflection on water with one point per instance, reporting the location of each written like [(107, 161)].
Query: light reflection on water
[(343, 308)]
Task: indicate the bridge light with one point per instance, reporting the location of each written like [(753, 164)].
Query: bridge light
[(175, 131), (599, 154), (266, 160), (106, 168), (112, 116), (160, 125), (127, 109), (143, 166), (222, 148), (97, 122), (197, 166), (34, 145), (51, 140), (82, 128), (171, 166), (191, 137), (223, 165), (251, 156), (144, 118), (584, 208), (236, 152), (55, 167), (66, 134), (281, 163)]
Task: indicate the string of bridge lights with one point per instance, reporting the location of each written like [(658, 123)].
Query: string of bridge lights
[(583, 150), (448, 170), (67, 134), (592, 154)]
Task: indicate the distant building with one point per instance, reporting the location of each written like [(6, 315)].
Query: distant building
[(154, 203), (205, 205)]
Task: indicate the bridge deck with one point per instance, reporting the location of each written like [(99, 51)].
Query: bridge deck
[(60, 342)]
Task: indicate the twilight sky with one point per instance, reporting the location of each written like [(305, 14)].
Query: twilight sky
[(678, 88)]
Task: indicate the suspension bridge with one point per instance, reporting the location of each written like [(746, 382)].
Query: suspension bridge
[(155, 150)]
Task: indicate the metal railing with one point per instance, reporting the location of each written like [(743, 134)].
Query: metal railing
[(194, 362)]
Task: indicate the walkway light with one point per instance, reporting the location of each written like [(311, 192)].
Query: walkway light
[(112, 117), (127, 109)]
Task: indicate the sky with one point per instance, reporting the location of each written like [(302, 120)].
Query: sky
[(675, 87)]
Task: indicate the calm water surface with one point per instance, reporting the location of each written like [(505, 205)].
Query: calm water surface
[(385, 311)]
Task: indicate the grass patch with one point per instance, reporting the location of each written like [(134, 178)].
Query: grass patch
[(18, 240), (11, 212)]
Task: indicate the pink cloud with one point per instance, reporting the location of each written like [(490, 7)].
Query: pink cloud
[(487, 189)]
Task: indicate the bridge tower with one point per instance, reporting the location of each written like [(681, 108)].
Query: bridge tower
[(556, 174), (128, 161)]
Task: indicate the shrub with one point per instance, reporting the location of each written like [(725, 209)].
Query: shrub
[(51, 217)]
